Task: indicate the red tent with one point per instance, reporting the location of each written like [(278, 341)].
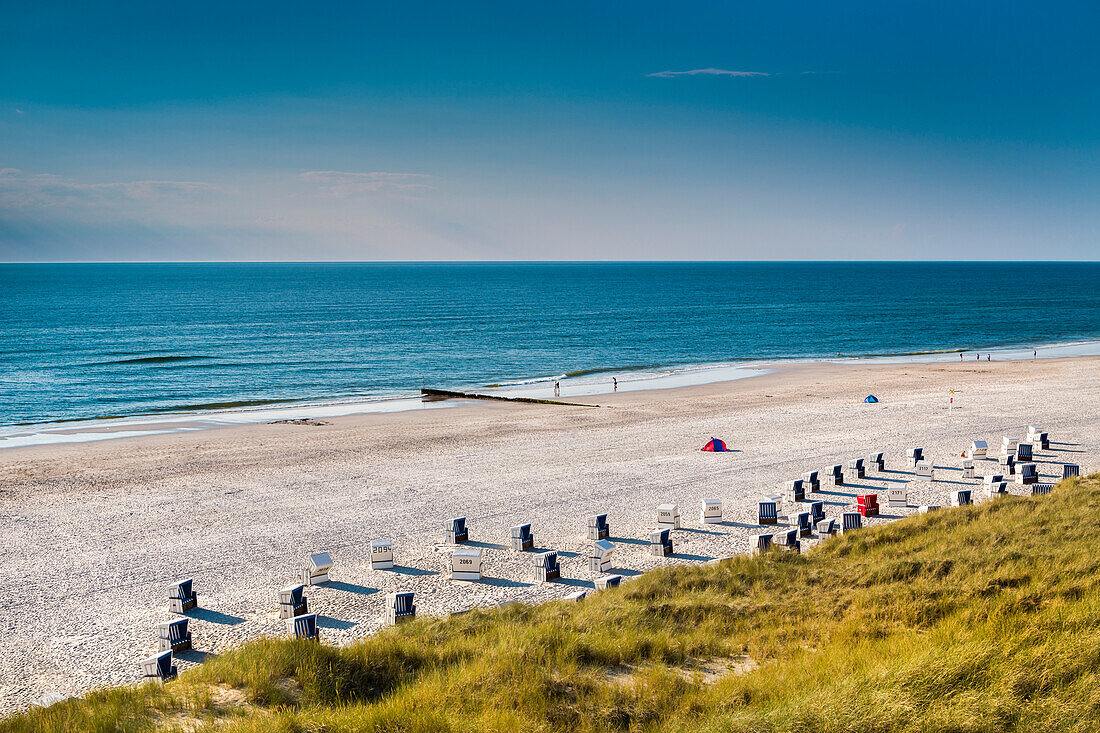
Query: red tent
[(714, 446)]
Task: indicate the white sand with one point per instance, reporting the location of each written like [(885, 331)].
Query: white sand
[(95, 532)]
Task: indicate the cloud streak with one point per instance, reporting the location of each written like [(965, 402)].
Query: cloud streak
[(708, 72), (342, 184), (43, 190)]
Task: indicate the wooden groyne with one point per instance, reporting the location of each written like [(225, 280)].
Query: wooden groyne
[(446, 394)]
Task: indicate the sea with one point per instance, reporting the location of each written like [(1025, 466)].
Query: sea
[(94, 351)]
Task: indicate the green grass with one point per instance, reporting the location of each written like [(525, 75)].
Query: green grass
[(975, 619)]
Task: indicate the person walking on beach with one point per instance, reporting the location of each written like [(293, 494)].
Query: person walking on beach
[(1034, 353), (557, 389), (614, 384)]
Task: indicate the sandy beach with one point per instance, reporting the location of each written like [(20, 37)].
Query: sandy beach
[(95, 532)]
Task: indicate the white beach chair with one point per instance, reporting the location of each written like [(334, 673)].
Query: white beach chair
[(158, 668), (522, 539), (850, 521), (960, 497), (546, 567), (292, 601), (788, 540), (817, 511), (995, 489), (876, 462), (1041, 489), (1023, 453), (760, 543), (805, 524), (925, 508), (913, 456), (304, 627), (978, 449), (826, 527), (855, 468), (173, 636), (598, 528), (793, 491), (465, 563), (767, 512), (599, 558), (1008, 463), (381, 554), (399, 607), (710, 511), (924, 471), (607, 581), (668, 516), (1069, 470), (810, 481), (575, 596), (660, 542), (968, 468), (455, 532), (1027, 473), (1008, 445), (316, 570), (181, 596), (897, 497), (835, 475)]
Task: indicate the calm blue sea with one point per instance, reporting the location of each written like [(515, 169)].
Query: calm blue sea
[(86, 341)]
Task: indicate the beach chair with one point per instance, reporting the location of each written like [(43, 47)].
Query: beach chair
[(925, 471), (465, 563), (913, 456), (546, 567), (599, 557), (995, 478), (598, 529), (575, 596), (810, 481), (850, 521), (767, 513), (668, 516), (788, 539), (1041, 489), (835, 475), (1069, 470), (817, 511), (1027, 474), (1008, 445), (996, 489), (381, 554), (316, 571), (660, 542), (867, 504), (960, 497), (1033, 431), (303, 627), (793, 491), (710, 511), (158, 668), (876, 462), (978, 448), (826, 527), (292, 601), (897, 497), (455, 531), (1008, 463), (522, 539), (173, 636), (855, 468), (968, 468), (181, 597), (805, 524), (760, 543), (925, 508), (399, 607), (1040, 442), (607, 581), (1023, 453)]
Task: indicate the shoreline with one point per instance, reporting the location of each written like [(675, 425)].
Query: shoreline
[(123, 427)]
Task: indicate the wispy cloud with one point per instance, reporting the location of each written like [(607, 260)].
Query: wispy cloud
[(341, 184), (44, 190), (708, 72)]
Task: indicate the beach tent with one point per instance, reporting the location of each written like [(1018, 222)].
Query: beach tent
[(871, 398), (714, 446)]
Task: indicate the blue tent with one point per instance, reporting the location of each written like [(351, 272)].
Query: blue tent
[(871, 398)]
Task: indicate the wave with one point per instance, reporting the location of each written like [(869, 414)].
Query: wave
[(612, 370), (172, 359), (234, 404)]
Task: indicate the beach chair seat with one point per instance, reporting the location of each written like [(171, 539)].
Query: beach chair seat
[(994, 478), (607, 581), (826, 527), (897, 497), (400, 607), (913, 456), (173, 636), (1026, 474), (767, 512), (925, 508), (710, 511), (599, 557), (522, 539), (316, 570), (660, 542), (996, 489), (465, 563), (805, 524), (598, 528), (810, 481), (793, 491), (668, 516), (876, 462), (1008, 463), (961, 497), (181, 596), (455, 531), (1023, 453), (978, 449), (925, 471), (760, 543), (292, 601), (546, 567), (1069, 470), (855, 468), (835, 475), (817, 511), (850, 521), (1041, 489), (381, 554), (158, 668), (788, 540), (968, 468), (304, 627), (867, 504)]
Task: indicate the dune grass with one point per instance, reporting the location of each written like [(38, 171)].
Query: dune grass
[(975, 619)]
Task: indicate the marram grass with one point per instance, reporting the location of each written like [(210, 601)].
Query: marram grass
[(983, 618)]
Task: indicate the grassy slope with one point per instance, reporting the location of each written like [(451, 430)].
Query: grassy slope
[(972, 619)]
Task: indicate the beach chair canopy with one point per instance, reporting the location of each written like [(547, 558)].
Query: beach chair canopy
[(870, 398), (715, 446)]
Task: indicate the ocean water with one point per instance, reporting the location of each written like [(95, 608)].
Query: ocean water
[(93, 341)]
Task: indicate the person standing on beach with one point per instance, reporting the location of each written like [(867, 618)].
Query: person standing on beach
[(557, 389), (614, 384), (1034, 353)]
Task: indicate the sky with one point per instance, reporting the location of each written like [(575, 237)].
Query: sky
[(549, 131)]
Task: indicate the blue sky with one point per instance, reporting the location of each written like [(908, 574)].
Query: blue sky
[(428, 131)]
